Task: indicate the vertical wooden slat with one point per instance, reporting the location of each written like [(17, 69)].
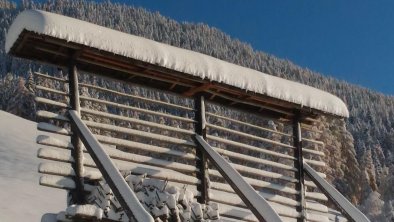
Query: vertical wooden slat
[(201, 162), (77, 152), (299, 165)]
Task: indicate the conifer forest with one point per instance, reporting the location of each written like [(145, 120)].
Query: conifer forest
[(359, 150)]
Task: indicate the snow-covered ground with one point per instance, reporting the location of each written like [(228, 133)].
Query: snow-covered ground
[(21, 197)]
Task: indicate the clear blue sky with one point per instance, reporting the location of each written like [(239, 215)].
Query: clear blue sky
[(350, 40)]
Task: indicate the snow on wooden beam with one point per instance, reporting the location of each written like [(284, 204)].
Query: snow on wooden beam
[(244, 157), (249, 136), (137, 97), (57, 182), (249, 147), (47, 127), (235, 202), (65, 169), (240, 101), (254, 183), (52, 141), (136, 121), (145, 147), (263, 173), (315, 162), (50, 90), (50, 77), (126, 161), (231, 198), (248, 124), (313, 141), (170, 116), (315, 196), (119, 157), (315, 152), (139, 133), (51, 102), (51, 115)]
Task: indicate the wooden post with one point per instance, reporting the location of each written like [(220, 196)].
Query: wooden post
[(201, 163), (299, 164), (77, 153)]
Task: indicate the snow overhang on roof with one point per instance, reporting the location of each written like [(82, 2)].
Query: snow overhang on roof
[(191, 64)]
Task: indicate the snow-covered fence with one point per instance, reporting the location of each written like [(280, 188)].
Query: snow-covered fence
[(146, 135), (185, 159)]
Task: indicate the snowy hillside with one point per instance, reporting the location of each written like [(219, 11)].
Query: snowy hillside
[(22, 198)]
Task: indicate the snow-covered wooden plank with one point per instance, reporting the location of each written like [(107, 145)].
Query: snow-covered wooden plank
[(47, 127), (249, 147), (65, 169), (310, 128), (137, 121), (159, 173), (280, 209), (314, 216), (229, 197), (52, 141), (150, 112), (180, 167), (237, 213), (313, 141), (254, 159), (316, 206), (260, 172), (249, 124), (122, 191), (86, 211), (249, 136), (228, 219), (50, 90), (315, 162), (62, 155), (340, 201), (57, 182), (146, 147), (171, 105), (315, 196), (50, 77), (50, 115), (61, 182), (311, 151), (50, 102), (241, 214), (257, 184), (139, 133), (126, 160), (258, 205)]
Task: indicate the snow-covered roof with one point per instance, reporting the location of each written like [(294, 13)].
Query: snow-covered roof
[(181, 60)]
